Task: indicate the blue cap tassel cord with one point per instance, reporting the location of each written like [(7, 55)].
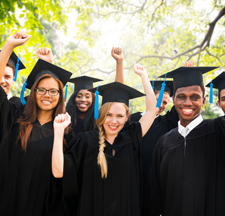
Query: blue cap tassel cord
[(159, 101), (66, 92), (22, 99), (153, 85), (16, 70), (96, 105), (211, 93)]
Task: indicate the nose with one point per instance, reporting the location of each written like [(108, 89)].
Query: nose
[(3, 80), (187, 101), (114, 120)]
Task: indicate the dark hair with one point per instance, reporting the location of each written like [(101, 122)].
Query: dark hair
[(89, 122), (30, 112)]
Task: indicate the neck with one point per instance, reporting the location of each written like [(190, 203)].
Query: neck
[(44, 116), (81, 115), (110, 139)]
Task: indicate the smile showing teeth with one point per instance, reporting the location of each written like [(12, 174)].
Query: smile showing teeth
[(113, 127), (82, 105), (187, 111), (46, 102)]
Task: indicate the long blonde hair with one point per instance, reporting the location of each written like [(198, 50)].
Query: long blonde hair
[(103, 111)]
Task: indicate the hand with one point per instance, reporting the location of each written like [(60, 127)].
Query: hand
[(45, 54), (139, 69), (189, 64), (61, 121), (117, 53), (18, 39)]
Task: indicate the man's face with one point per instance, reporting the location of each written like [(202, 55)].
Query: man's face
[(188, 102), (221, 102), (7, 79), (165, 101)]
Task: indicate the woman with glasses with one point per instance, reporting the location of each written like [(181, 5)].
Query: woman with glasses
[(27, 186)]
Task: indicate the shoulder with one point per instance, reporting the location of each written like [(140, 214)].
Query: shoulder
[(135, 117)]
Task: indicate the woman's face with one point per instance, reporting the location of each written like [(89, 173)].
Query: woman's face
[(47, 102), (83, 100), (115, 119)]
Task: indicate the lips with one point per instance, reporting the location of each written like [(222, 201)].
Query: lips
[(187, 111), (46, 102), (113, 127), (82, 105)]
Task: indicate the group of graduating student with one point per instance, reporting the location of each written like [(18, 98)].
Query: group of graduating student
[(58, 163)]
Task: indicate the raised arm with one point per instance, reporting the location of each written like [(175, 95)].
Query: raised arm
[(12, 41), (60, 123), (45, 54), (117, 54), (147, 119)]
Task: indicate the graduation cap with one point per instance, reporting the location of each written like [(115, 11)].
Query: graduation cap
[(114, 92), (218, 83), (157, 84), (15, 62), (188, 76), (83, 82), (41, 68)]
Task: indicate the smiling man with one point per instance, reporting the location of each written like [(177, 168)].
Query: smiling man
[(188, 170)]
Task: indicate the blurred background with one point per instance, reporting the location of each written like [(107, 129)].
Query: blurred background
[(159, 34)]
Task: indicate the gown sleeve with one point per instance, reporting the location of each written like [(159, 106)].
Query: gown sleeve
[(8, 115), (136, 134), (154, 192), (73, 161), (173, 117)]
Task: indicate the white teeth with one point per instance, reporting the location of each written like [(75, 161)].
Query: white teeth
[(113, 127), (187, 110), (46, 102), (82, 105)]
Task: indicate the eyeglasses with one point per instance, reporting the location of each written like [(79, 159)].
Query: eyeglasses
[(42, 91)]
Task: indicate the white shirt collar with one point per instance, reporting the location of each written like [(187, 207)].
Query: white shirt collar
[(190, 126), (9, 95)]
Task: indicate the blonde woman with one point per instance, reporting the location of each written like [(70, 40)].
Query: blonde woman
[(101, 170)]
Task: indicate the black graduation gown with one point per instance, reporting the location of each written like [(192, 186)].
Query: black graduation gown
[(15, 101), (160, 126), (79, 126), (118, 194), (26, 177), (190, 181)]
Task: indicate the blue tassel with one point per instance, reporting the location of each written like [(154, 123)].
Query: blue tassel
[(211, 93), (159, 101), (22, 99), (153, 85), (66, 92), (96, 105), (17, 68)]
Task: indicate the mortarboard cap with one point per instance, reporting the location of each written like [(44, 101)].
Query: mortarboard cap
[(83, 82), (15, 62), (188, 76), (117, 92), (114, 92), (41, 68), (157, 84), (218, 83)]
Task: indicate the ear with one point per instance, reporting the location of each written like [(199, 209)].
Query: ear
[(203, 101), (218, 102), (127, 116), (173, 99)]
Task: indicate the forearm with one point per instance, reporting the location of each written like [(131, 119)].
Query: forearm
[(151, 110), (119, 71), (57, 154), (4, 57), (150, 99)]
